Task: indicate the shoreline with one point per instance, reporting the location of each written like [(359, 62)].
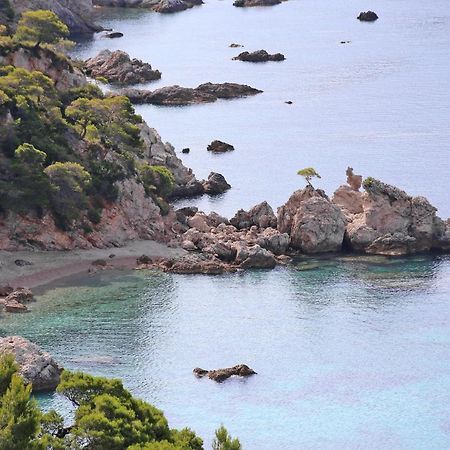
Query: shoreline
[(49, 266)]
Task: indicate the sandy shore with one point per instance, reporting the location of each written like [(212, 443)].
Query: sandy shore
[(52, 265)]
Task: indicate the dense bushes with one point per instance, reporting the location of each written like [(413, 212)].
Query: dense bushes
[(107, 416)]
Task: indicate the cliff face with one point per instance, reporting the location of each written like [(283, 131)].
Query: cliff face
[(76, 14)]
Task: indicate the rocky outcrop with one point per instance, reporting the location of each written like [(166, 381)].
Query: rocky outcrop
[(393, 223), (181, 96), (219, 147), (259, 56), (77, 15), (35, 366), (118, 67), (261, 215), (314, 224), (14, 300), (220, 375), (59, 69), (161, 6), (251, 3), (368, 16), (215, 184)]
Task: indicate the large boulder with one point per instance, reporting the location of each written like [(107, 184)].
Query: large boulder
[(215, 184), (118, 67), (260, 215), (394, 223), (36, 366), (219, 147), (367, 16), (274, 241), (259, 56), (314, 224)]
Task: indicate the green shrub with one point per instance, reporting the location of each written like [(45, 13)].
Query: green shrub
[(94, 215)]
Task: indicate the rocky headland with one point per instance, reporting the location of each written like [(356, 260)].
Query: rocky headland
[(118, 67), (161, 6), (182, 96)]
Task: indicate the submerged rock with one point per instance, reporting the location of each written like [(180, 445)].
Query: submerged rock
[(118, 67), (35, 366), (368, 16), (259, 56), (219, 147), (220, 375)]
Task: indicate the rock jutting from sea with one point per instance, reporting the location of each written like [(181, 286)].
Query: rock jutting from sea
[(381, 220), (118, 67), (259, 56), (182, 96), (161, 6)]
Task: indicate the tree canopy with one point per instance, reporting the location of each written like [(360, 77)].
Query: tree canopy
[(107, 416), (308, 174), (41, 26)]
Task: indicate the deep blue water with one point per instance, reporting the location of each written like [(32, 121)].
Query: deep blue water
[(351, 353), (380, 104)]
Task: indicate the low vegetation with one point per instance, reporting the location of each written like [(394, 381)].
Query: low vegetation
[(106, 416)]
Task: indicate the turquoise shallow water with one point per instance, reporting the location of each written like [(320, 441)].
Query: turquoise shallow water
[(380, 104), (351, 353)]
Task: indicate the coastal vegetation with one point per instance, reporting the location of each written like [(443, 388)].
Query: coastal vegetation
[(106, 416), (63, 151)]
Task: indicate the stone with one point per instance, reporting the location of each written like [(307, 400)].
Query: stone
[(35, 366), (219, 147), (13, 306), (314, 224), (21, 295), (349, 200), (354, 181), (114, 35), (215, 184), (182, 96), (6, 290), (251, 3), (259, 56), (258, 258), (274, 241), (22, 262), (118, 67), (199, 222), (221, 375), (262, 216), (368, 16)]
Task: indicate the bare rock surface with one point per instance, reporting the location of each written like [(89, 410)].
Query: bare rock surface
[(219, 147), (220, 375), (36, 366), (367, 16), (118, 67), (182, 96), (251, 3), (215, 184), (161, 6), (259, 56)]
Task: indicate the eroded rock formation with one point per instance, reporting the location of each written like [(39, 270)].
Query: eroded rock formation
[(118, 67), (35, 366), (181, 96), (259, 56), (220, 375)]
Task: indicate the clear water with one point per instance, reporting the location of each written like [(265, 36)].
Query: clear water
[(380, 104), (351, 353)]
